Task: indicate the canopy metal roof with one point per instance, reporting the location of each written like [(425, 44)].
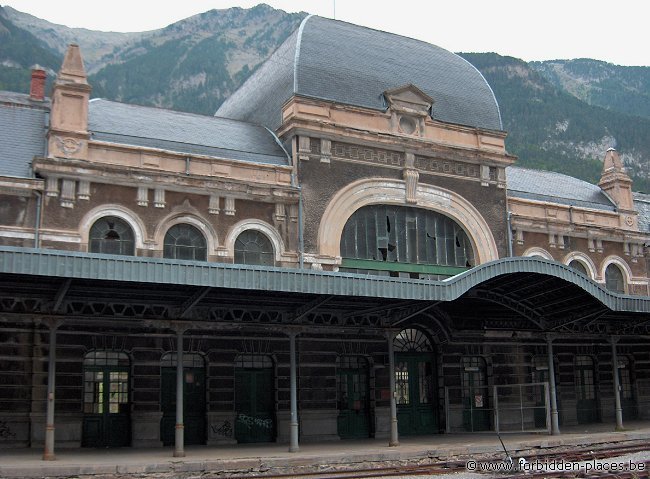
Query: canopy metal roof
[(526, 294)]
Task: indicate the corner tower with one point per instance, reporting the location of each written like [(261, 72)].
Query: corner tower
[(68, 136), (616, 183)]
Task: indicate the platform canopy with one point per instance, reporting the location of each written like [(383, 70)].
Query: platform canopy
[(511, 294)]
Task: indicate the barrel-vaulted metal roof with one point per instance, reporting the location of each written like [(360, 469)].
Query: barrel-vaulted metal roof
[(185, 133), (354, 65), (163, 272)]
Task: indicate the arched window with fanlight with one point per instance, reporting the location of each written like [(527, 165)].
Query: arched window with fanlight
[(254, 247), (614, 279), (111, 235), (403, 241), (184, 241)]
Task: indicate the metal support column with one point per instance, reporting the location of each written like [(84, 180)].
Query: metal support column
[(48, 453), (617, 386), (555, 424), (179, 439), (293, 421), (394, 435)]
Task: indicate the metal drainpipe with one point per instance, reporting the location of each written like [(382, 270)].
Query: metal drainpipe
[(37, 221), (301, 241), (509, 226), (294, 182)]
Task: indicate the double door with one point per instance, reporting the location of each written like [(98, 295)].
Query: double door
[(417, 411), (254, 405), (106, 419), (353, 419), (193, 405), (585, 384)]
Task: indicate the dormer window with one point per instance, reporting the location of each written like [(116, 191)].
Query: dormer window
[(409, 107)]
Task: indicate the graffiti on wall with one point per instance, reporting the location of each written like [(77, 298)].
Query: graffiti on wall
[(224, 429), (5, 431), (250, 421)]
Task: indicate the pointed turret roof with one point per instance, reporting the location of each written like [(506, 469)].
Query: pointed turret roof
[(72, 70)]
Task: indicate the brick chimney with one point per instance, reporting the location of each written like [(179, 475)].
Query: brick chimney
[(37, 86)]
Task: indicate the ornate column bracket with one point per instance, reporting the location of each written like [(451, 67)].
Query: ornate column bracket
[(411, 177)]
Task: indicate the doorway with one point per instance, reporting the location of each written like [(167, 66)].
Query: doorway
[(194, 404), (106, 419), (415, 383)]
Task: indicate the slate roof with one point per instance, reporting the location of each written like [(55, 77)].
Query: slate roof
[(642, 205), (22, 133), (349, 64), (555, 187), (184, 133)]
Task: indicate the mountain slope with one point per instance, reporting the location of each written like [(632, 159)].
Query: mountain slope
[(194, 64), (94, 44), (19, 52), (617, 88), (550, 129)]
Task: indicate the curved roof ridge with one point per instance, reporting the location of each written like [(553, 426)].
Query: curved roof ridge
[(488, 85), (296, 57), (351, 64)]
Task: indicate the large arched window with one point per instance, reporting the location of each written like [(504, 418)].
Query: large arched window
[(254, 247), (184, 241), (111, 235), (614, 280), (403, 241)]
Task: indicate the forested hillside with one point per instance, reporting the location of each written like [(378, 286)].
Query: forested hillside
[(617, 88), (552, 129)]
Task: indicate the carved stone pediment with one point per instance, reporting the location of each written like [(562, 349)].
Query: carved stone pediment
[(408, 98), (408, 106)]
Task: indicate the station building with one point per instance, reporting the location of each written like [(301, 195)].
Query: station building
[(345, 250)]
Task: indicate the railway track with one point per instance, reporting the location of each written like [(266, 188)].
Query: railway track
[(439, 467)]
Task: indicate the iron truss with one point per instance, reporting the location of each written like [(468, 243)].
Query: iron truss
[(518, 302)]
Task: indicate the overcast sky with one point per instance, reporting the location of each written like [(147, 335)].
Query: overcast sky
[(614, 31)]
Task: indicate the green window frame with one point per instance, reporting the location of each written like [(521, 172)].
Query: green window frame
[(405, 241)]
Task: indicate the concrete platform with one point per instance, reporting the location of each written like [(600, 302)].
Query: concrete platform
[(225, 461)]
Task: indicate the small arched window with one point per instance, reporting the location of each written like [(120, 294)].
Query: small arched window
[(111, 235), (614, 280), (579, 267), (254, 247), (184, 241)]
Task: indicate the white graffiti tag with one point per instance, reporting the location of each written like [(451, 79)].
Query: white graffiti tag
[(250, 421)]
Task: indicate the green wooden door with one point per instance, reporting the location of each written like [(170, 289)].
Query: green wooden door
[(254, 405), (352, 396), (476, 412), (586, 400), (193, 405), (417, 411), (106, 420)]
